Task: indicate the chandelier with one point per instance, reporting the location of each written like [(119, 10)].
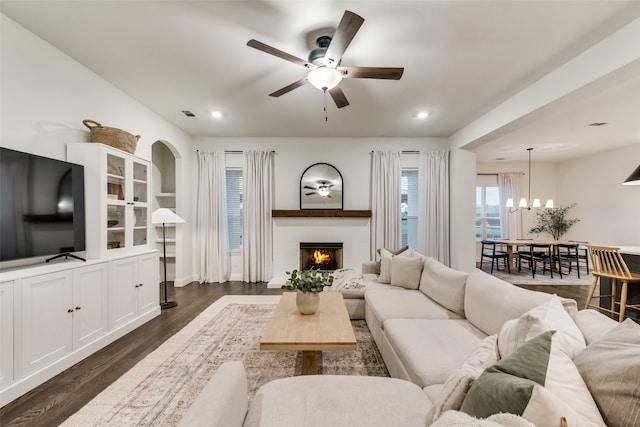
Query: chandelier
[(528, 203)]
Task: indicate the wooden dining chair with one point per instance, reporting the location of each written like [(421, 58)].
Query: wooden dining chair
[(492, 253), (537, 253), (607, 261)]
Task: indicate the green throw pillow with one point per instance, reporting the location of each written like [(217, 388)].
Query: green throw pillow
[(539, 382)]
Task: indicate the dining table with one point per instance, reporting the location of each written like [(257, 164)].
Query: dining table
[(512, 245)]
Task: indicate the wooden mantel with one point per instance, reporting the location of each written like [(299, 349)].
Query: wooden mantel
[(313, 213)]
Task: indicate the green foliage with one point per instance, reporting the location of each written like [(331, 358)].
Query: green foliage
[(308, 280), (553, 221)]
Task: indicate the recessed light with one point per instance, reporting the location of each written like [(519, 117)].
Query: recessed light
[(422, 115), (216, 114)]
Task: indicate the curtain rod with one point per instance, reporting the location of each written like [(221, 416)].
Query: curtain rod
[(403, 152), (496, 174), (236, 151)]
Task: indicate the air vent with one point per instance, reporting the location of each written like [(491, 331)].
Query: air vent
[(188, 113), (596, 124)]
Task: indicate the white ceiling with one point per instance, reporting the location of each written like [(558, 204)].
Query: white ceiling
[(461, 59)]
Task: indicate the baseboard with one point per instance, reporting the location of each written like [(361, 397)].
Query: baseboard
[(184, 281)]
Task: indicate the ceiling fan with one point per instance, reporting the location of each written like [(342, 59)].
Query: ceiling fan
[(324, 62), (324, 189)]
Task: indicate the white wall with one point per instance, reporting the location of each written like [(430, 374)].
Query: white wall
[(609, 212), (351, 156), (46, 95)]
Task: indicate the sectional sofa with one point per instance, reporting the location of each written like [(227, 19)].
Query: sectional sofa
[(458, 345)]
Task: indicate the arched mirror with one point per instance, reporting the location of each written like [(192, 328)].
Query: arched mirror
[(321, 187)]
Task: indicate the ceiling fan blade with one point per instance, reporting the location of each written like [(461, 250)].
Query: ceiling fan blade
[(280, 54), (346, 31), (289, 88), (389, 73), (338, 97), (309, 194), (310, 188)]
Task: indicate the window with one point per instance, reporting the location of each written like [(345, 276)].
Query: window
[(234, 207), (487, 212), (409, 207)]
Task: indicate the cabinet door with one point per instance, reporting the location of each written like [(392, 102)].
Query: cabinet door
[(47, 318), (148, 291), (123, 290), (6, 333), (90, 296)]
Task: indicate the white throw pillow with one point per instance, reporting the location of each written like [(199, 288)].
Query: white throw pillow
[(457, 384), (385, 266), (547, 316), (406, 271)]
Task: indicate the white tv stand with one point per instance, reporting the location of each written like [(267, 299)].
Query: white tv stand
[(54, 315)]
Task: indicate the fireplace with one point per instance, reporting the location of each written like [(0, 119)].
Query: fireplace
[(326, 256)]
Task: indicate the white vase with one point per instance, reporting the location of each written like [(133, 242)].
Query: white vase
[(307, 302)]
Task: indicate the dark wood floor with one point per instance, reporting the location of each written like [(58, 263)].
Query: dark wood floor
[(57, 399)]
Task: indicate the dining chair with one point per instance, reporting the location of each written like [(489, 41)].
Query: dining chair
[(494, 254), (566, 254), (583, 253), (538, 253), (607, 261)]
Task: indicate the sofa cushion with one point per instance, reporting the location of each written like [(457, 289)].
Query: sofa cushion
[(222, 402), (457, 385), (339, 400), (549, 315), (406, 271), (405, 304), (611, 368), (431, 349), (489, 301), (538, 381), (444, 285)]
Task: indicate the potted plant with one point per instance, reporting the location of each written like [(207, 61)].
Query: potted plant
[(554, 221), (308, 284)]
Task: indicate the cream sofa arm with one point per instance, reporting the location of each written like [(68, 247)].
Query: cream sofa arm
[(371, 267), (223, 402)]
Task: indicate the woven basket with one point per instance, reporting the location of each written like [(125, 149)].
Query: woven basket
[(113, 137)]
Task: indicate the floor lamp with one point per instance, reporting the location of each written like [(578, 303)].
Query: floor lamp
[(165, 216)]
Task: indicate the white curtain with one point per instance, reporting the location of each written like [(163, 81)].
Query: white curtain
[(386, 172), (433, 205), (257, 231), (211, 218), (509, 188)]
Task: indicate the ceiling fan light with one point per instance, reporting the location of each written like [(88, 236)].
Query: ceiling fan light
[(324, 78), (323, 191)]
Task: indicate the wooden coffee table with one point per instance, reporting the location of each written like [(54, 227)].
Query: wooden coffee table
[(329, 328)]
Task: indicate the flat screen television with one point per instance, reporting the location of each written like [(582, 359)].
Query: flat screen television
[(41, 206)]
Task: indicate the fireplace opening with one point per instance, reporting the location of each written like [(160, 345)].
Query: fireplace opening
[(325, 256)]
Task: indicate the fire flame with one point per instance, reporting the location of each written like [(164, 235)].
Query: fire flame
[(321, 257)]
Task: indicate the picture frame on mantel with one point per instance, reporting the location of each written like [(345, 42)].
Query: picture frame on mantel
[(321, 188)]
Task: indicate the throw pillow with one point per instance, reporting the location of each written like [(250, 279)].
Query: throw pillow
[(405, 271), (393, 252), (457, 384), (444, 285), (385, 261), (460, 419), (547, 316), (539, 382), (610, 366)]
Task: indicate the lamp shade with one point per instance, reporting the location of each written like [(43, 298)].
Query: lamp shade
[(324, 78), (634, 178), (165, 216)]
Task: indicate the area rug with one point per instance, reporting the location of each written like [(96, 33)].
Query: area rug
[(524, 278), (160, 388)]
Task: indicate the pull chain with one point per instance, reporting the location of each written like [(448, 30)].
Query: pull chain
[(326, 119)]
